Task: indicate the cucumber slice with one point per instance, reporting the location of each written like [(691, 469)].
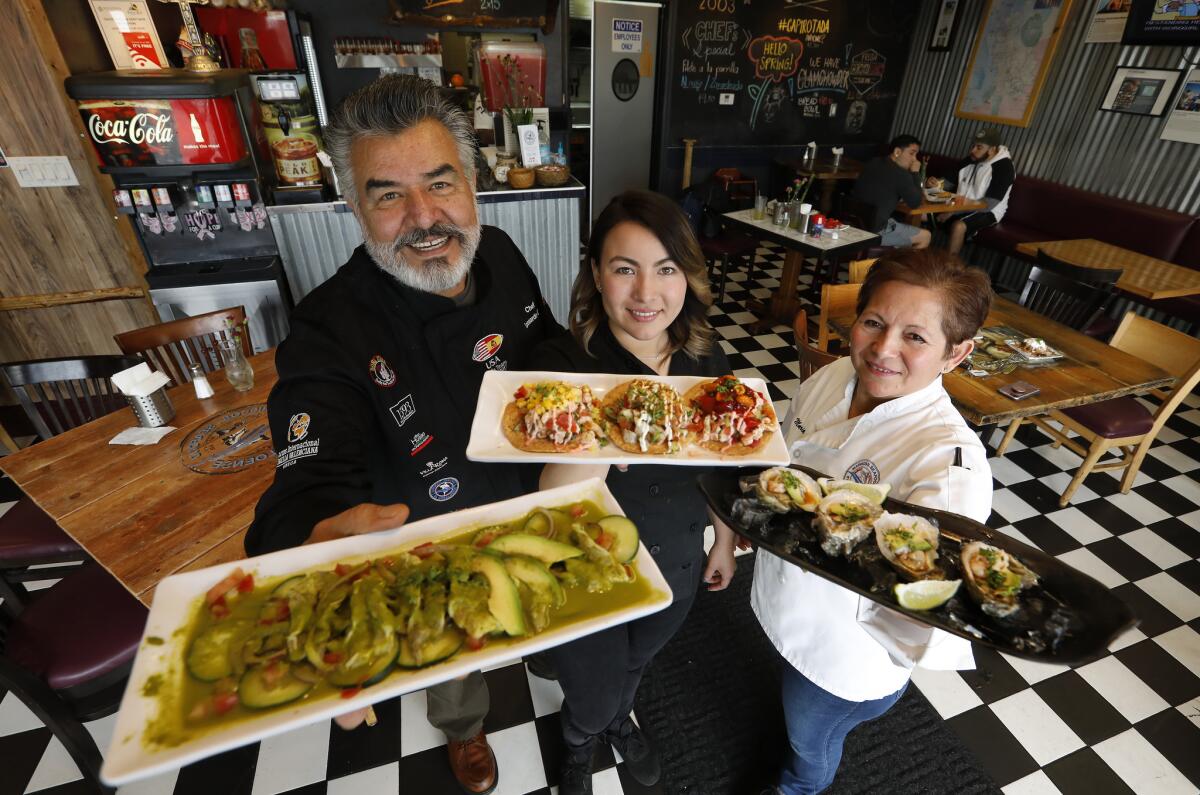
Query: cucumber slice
[(366, 675), (543, 549), (535, 574), (209, 657), (625, 546), (504, 602), (285, 588), (439, 648), (254, 693)]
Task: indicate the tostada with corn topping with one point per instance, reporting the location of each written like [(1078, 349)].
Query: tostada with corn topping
[(551, 417)]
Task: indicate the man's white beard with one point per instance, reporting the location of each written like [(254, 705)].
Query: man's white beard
[(435, 275)]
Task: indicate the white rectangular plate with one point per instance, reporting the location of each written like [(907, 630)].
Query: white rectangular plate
[(1031, 358), (488, 442), (129, 759)]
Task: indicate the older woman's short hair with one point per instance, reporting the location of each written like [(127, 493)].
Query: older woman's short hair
[(690, 332), (966, 292), (389, 106)]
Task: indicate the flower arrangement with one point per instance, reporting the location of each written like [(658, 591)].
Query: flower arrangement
[(521, 98), (798, 189)]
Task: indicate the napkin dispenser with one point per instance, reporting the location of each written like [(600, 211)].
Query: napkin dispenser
[(146, 393)]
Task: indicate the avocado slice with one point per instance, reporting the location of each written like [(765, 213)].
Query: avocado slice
[(210, 656), (535, 574), (503, 600), (625, 547), (543, 549)]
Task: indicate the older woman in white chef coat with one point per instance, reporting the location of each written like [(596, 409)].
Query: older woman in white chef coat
[(880, 415)]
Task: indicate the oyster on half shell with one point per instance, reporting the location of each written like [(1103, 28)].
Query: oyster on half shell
[(995, 578), (909, 543), (782, 489), (843, 519)]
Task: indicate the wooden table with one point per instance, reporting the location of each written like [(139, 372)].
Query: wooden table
[(1090, 372), (1143, 276), (932, 208), (783, 304), (138, 510), (825, 172)]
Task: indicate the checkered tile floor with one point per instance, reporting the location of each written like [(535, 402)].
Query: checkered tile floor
[(1129, 722)]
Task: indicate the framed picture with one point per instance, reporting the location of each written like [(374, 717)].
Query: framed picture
[(1164, 22), (1010, 60), (1143, 92), (1108, 22), (1184, 122), (945, 25)]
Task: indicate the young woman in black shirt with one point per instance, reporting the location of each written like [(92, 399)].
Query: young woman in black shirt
[(638, 307)]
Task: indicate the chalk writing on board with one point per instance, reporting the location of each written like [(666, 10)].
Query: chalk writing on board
[(710, 65), (866, 70)]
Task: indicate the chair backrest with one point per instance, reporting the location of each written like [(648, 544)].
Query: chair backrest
[(837, 300), (1072, 303), (1079, 273), (811, 359), (858, 269), (60, 394), (1172, 350), (172, 347)]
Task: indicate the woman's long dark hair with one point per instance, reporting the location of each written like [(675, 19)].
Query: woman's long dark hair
[(690, 331)]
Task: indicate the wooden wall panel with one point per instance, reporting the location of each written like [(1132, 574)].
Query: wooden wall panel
[(56, 239)]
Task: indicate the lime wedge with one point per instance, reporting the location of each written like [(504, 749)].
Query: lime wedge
[(926, 594), (875, 492)]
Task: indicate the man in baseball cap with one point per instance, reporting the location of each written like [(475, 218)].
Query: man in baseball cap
[(986, 175)]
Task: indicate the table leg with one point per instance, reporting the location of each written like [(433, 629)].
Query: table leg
[(783, 304), (827, 186)]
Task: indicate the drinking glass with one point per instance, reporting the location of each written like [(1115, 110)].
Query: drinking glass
[(237, 369), (760, 207)]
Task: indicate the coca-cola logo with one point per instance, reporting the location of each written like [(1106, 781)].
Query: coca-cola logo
[(143, 128)]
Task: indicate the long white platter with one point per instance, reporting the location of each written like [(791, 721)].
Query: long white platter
[(488, 442), (177, 597)]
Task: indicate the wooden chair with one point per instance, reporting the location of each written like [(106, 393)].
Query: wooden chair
[(67, 658), (738, 187), (1103, 278), (837, 300), (172, 347), (1062, 299), (56, 395), (1123, 423), (811, 358), (859, 269)]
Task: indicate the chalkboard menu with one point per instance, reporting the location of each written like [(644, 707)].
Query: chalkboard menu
[(477, 13), (785, 72)]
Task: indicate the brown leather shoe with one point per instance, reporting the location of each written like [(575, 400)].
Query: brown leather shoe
[(474, 764)]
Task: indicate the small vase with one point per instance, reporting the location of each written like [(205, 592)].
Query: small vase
[(237, 370), (794, 214)]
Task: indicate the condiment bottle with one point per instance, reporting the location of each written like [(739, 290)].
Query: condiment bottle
[(200, 382)]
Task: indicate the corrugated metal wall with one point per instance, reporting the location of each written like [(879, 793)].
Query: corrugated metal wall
[(314, 244), (1068, 140)]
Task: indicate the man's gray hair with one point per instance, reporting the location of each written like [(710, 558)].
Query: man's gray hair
[(388, 106)]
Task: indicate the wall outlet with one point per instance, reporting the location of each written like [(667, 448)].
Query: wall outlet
[(727, 98), (43, 172)]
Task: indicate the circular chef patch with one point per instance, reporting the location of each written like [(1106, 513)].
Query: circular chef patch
[(863, 471), (443, 489), (231, 441), (380, 372)]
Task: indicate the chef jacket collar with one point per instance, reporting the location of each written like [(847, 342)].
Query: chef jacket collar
[(884, 411)]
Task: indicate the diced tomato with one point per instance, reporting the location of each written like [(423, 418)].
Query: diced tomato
[(578, 510), (484, 540), (520, 393), (223, 702), (351, 692), (424, 550), (341, 570), (246, 584), (751, 424), (605, 540), (333, 657), (219, 608), (563, 420), (226, 585), (475, 644)]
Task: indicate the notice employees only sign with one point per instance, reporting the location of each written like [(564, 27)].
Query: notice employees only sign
[(627, 35)]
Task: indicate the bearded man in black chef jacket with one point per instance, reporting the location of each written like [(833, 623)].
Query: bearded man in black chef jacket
[(379, 376)]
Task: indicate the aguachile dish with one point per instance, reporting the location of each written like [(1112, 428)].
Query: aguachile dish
[(329, 633)]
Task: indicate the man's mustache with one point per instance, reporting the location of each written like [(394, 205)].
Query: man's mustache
[(421, 235)]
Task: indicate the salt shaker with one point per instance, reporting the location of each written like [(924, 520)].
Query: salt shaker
[(200, 382)]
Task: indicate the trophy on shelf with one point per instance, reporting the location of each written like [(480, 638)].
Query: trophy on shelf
[(199, 60)]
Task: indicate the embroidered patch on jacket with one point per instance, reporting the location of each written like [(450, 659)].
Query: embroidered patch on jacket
[(420, 441), (433, 466), (402, 410), (863, 471), (443, 489), (298, 427), (381, 373), (487, 347)]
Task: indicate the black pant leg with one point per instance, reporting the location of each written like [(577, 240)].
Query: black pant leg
[(591, 672)]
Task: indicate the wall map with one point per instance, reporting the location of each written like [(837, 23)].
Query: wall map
[(783, 72)]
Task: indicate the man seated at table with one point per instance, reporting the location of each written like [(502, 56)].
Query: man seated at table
[(887, 180), (380, 374), (986, 175)]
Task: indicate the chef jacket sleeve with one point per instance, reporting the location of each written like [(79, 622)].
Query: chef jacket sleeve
[(321, 423)]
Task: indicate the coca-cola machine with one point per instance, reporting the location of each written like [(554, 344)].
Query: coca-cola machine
[(187, 155)]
